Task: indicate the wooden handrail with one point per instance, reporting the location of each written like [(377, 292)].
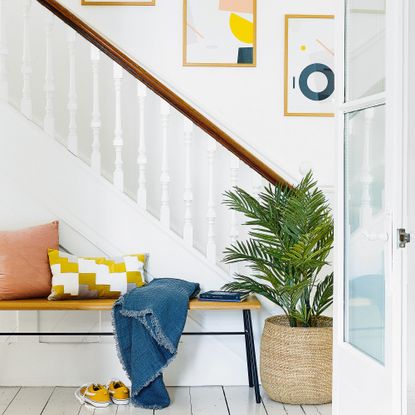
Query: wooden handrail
[(162, 90)]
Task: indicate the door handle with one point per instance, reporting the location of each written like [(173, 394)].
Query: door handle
[(404, 237)]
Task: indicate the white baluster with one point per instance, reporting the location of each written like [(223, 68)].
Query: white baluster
[(366, 211), (234, 228), (188, 193), (26, 102), (96, 115), (257, 183), (118, 139), (72, 95), (164, 177), (211, 212), (49, 120), (142, 158), (4, 86)]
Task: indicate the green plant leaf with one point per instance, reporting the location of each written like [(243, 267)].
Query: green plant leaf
[(323, 298), (290, 238)]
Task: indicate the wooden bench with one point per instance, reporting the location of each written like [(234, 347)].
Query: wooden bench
[(251, 303)]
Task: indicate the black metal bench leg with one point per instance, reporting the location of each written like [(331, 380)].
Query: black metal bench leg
[(248, 350), (254, 370)]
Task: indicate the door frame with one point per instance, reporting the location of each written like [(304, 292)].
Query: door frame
[(396, 99)]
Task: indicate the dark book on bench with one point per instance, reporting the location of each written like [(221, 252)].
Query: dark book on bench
[(226, 296)]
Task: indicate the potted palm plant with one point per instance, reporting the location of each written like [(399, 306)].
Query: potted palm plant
[(290, 238)]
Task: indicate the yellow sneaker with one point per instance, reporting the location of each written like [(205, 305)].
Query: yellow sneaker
[(119, 393), (93, 394)]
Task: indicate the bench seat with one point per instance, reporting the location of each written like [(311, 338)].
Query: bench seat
[(251, 303)]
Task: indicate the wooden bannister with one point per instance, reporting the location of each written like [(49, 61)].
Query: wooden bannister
[(162, 90)]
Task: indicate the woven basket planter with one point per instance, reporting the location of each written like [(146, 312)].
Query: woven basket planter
[(296, 363)]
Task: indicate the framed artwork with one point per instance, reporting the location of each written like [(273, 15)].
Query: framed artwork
[(308, 68), (219, 33), (118, 3)]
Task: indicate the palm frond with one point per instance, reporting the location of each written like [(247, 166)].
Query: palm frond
[(323, 298), (290, 238)]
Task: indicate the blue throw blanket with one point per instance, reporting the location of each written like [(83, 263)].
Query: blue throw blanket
[(148, 322)]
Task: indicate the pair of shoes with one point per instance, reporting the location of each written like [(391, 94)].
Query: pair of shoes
[(101, 396)]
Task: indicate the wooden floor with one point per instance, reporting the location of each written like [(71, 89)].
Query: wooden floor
[(212, 400)]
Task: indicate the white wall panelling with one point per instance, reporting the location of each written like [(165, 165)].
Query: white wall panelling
[(142, 158), (234, 228), (96, 115), (26, 101), (164, 176), (71, 38), (118, 138), (211, 211), (188, 193), (49, 119)]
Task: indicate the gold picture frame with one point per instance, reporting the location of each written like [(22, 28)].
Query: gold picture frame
[(218, 64), (117, 3), (287, 112)]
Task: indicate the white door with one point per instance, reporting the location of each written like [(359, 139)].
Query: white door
[(368, 285)]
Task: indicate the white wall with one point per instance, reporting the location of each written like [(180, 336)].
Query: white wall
[(248, 101)]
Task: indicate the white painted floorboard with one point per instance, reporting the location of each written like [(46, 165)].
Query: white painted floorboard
[(272, 407), (110, 410), (29, 401), (310, 409), (86, 410), (276, 408), (293, 409), (130, 410), (241, 401), (180, 402), (6, 397), (209, 400), (62, 402), (324, 409)]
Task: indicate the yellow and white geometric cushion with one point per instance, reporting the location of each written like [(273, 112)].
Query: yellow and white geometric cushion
[(77, 277)]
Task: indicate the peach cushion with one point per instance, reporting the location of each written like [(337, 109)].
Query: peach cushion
[(24, 264)]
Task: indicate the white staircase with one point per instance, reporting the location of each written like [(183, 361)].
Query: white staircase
[(84, 142), (121, 130)]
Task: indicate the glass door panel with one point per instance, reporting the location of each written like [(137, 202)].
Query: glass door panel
[(365, 237), (365, 48)]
